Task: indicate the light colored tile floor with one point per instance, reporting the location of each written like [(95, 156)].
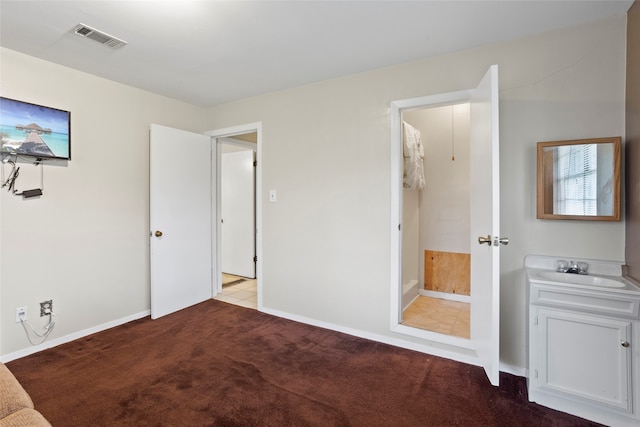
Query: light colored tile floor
[(244, 294), (439, 315)]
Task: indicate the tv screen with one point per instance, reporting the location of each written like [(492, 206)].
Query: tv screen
[(33, 130)]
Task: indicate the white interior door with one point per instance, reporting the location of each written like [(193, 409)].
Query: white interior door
[(485, 222), (180, 211), (238, 213)]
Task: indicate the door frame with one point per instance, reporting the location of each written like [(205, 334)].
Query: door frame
[(217, 137), (482, 348), (397, 108)]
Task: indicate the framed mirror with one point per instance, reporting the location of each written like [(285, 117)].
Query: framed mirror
[(579, 179)]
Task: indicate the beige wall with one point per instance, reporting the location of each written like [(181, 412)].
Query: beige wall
[(326, 150), (84, 243), (632, 151)]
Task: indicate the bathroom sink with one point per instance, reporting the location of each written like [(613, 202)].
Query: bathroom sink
[(580, 279)]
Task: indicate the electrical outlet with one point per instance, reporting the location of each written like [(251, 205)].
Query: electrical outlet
[(21, 313), (46, 307)]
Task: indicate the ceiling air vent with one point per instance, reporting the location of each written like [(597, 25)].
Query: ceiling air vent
[(99, 36)]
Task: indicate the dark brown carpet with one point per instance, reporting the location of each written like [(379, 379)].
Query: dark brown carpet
[(217, 364)]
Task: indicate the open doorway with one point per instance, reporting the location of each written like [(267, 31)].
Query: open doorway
[(238, 220), (436, 217), (434, 115), (184, 216), (483, 345), (238, 216)]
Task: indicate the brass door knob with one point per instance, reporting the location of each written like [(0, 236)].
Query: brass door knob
[(486, 240), (158, 233)]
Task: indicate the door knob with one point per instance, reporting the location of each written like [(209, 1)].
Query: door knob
[(158, 233), (625, 344), (486, 240), (504, 240)]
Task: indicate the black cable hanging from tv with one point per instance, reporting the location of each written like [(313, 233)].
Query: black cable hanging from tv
[(10, 182)]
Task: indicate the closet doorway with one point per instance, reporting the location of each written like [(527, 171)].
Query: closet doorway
[(436, 220), (483, 346)]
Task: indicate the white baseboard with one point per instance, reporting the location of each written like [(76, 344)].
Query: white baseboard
[(423, 348), (444, 295), (397, 342), (71, 337), (409, 285), (514, 370), (409, 290)]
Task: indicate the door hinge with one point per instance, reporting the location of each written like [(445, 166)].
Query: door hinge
[(255, 258), (255, 163), (535, 321), (399, 227), (535, 373)]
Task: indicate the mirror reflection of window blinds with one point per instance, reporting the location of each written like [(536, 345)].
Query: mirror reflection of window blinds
[(576, 180)]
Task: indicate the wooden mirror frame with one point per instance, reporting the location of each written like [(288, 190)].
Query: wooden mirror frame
[(545, 180)]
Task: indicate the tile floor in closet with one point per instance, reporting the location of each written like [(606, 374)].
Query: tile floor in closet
[(439, 315)]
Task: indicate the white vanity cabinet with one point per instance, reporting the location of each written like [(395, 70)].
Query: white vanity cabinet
[(584, 350), (582, 356)]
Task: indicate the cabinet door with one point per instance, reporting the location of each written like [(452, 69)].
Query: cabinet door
[(583, 356)]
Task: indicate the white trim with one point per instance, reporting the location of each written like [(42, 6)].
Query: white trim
[(238, 143), (397, 108), (406, 288), (72, 337), (431, 337), (431, 101), (236, 130), (396, 214), (219, 134), (514, 370), (445, 295)]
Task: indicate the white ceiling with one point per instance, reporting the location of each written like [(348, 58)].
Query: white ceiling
[(210, 52)]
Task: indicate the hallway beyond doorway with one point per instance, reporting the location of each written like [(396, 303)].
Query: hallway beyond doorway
[(244, 293)]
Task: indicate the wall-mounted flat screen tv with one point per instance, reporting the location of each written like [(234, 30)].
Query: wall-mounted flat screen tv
[(34, 130)]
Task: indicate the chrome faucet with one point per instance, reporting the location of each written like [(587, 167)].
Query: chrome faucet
[(572, 267)]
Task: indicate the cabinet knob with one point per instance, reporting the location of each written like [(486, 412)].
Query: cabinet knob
[(625, 344)]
